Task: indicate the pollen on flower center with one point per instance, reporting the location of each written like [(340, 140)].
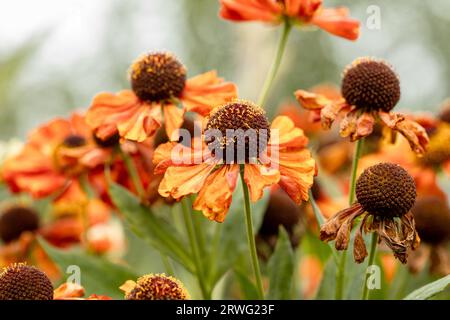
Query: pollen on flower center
[(244, 131), (74, 141), (15, 220), (371, 85), (22, 282), (386, 190), (157, 287), (157, 76)]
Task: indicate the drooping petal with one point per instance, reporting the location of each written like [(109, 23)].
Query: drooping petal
[(329, 230), (288, 135), (337, 21), (257, 177), (330, 112), (411, 130), (311, 100), (184, 180), (173, 119), (204, 92), (250, 10), (214, 199), (349, 124)]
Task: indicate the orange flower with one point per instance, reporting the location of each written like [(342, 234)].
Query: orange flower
[(213, 174), (370, 90), (74, 291), (301, 12), (158, 82), (53, 158)]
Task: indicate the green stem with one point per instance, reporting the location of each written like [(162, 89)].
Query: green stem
[(198, 231), (251, 236), (373, 249), (132, 171), (187, 214), (276, 64), (340, 276)]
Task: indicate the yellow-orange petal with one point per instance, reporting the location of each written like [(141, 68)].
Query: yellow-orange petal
[(337, 21), (257, 177), (250, 10), (184, 180), (204, 92), (173, 119), (214, 199), (411, 130), (68, 290), (311, 100), (287, 134)]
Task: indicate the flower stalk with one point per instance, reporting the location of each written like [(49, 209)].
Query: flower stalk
[(373, 249), (251, 237)]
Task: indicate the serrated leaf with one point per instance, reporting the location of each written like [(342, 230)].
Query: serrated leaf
[(156, 231), (98, 275), (429, 290), (281, 268)]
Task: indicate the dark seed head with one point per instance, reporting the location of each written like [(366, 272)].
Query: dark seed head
[(157, 76), (432, 216), (74, 141), (371, 85), (386, 190), (22, 282), (157, 287), (15, 220), (109, 142), (244, 128)]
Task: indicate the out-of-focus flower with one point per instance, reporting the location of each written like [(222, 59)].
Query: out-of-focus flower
[(158, 82), (336, 21), (155, 287), (438, 151), (370, 90), (385, 194), (432, 216), (9, 149), (107, 238), (53, 158), (22, 282), (310, 271), (287, 162), (444, 113)]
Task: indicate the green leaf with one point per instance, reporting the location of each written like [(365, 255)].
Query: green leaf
[(248, 289), (98, 275), (156, 231), (328, 284), (281, 268), (429, 290)]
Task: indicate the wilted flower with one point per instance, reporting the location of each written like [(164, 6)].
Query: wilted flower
[(370, 90), (209, 170), (155, 287), (159, 84), (432, 216), (300, 12), (385, 194), (22, 282)]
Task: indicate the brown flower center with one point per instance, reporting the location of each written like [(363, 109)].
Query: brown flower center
[(16, 220), (432, 216), (22, 282), (444, 115), (240, 130), (157, 76), (74, 141), (109, 142), (386, 190), (157, 287), (371, 85)]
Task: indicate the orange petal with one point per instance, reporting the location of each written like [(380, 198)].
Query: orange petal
[(329, 113), (214, 199), (245, 10), (336, 21), (257, 177), (173, 119), (411, 130), (349, 124), (142, 124), (311, 100), (206, 91), (184, 180), (68, 290), (364, 126), (287, 134)]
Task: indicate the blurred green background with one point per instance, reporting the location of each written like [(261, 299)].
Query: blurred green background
[(56, 55)]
